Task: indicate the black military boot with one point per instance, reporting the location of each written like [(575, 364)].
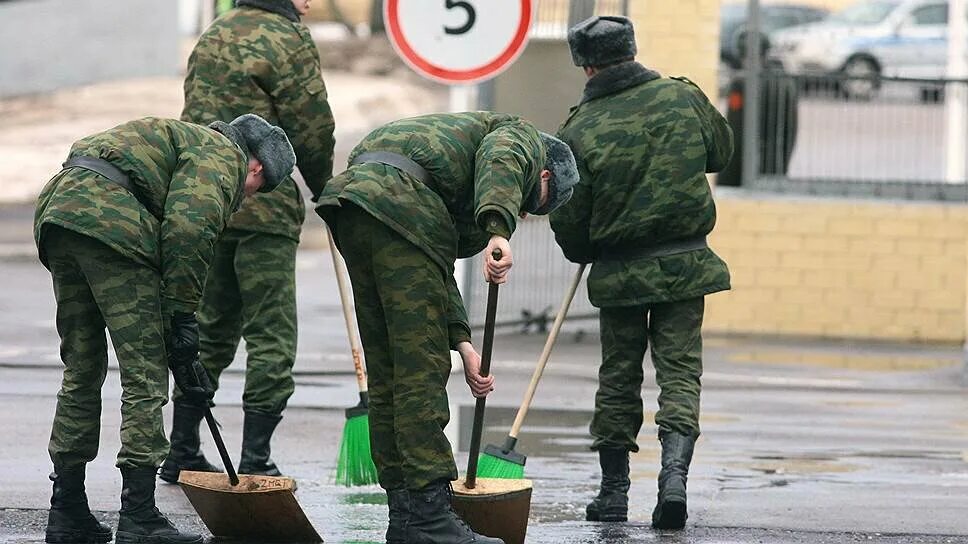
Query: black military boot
[(612, 502), (398, 500), (257, 431), (70, 520), (433, 521), (139, 521), (670, 510), (185, 453)]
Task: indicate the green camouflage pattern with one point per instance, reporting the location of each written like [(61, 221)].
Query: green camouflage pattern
[(254, 61), (244, 297), (674, 330), (190, 180), (644, 145), (402, 302), (481, 163), (97, 287)]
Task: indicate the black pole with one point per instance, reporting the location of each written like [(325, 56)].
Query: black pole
[(477, 430), (223, 453)]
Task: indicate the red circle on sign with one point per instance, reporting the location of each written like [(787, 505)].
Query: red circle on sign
[(445, 75)]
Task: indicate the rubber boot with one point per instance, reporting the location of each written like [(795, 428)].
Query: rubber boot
[(185, 452), (139, 521), (612, 502), (70, 520), (433, 520), (670, 509), (257, 431), (398, 500)]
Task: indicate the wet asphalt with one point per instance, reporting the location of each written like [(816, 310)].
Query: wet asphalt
[(802, 441)]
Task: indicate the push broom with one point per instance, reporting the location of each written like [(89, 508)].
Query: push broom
[(503, 462), (355, 464)]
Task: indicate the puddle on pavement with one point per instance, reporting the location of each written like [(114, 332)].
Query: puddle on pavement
[(377, 497), (547, 432)]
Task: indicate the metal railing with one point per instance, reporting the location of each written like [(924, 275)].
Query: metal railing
[(553, 18), (882, 137), (530, 298)]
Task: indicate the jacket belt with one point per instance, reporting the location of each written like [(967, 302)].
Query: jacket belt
[(674, 247), (396, 160), (107, 170)]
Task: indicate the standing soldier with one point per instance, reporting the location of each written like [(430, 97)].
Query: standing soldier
[(256, 58), (420, 193), (128, 230), (641, 215)]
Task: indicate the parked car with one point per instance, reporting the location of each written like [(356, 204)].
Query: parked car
[(773, 17), (869, 40)]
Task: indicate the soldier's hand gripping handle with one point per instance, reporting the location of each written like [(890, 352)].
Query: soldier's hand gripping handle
[(189, 374), (497, 260)]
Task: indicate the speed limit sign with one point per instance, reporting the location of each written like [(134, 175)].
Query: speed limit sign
[(458, 41)]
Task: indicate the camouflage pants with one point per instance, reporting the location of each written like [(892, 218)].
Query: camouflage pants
[(401, 306), (674, 329), (95, 287), (250, 293)]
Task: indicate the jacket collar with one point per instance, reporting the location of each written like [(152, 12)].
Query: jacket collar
[(616, 79), (279, 7)]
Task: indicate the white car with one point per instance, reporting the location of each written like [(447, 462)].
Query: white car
[(869, 39)]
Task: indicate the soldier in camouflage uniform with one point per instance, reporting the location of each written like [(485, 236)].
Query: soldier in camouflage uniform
[(419, 194), (128, 230), (256, 58), (641, 215)]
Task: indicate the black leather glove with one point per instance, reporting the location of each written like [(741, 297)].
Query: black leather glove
[(194, 383), (190, 376), (182, 340)]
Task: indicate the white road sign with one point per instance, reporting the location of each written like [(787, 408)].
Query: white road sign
[(458, 41)]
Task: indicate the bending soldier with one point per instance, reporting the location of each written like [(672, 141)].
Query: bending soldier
[(256, 58), (418, 194), (127, 230), (641, 214)]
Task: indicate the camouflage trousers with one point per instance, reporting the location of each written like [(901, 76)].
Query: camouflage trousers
[(250, 293), (401, 307), (674, 330), (95, 287)]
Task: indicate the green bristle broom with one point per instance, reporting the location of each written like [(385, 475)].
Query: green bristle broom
[(503, 462), (355, 464)]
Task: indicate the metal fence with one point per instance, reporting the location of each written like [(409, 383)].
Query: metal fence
[(850, 136), (553, 18), (538, 281)]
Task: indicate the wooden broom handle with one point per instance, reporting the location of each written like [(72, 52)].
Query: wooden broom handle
[(344, 298), (546, 352)]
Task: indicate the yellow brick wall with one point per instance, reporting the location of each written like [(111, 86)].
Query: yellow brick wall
[(841, 268), (679, 38)]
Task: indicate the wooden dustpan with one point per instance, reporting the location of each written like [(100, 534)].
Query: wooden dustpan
[(247, 508), (492, 507), (495, 507)]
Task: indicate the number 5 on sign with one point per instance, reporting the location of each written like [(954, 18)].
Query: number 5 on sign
[(458, 41)]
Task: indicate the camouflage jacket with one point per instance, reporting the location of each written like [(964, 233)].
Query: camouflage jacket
[(481, 165), (255, 61), (644, 145), (189, 179)]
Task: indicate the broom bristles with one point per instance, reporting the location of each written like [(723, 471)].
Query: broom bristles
[(355, 464), (490, 466)]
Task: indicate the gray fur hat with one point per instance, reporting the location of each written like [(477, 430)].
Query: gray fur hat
[(269, 144), (600, 41), (560, 161)]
